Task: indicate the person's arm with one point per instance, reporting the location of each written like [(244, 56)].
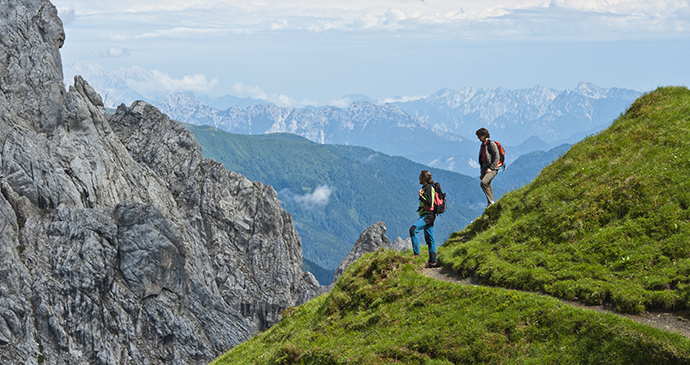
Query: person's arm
[(495, 158), (427, 198)]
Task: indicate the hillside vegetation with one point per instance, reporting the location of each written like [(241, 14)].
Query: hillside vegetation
[(523, 170), (384, 311), (608, 222)]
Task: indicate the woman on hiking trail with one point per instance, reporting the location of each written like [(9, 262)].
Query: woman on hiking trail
[(426, 218)]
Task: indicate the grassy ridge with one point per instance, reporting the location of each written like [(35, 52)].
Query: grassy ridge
[(383, 311), (608, 222)]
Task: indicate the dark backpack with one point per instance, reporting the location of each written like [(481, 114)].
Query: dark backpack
[(501, 155), (439, 200)]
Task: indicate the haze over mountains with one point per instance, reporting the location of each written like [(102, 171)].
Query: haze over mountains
[(523, 120), (526, 120)]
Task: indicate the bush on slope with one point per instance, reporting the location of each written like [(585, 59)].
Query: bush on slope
[(383, 311), (608, 222)]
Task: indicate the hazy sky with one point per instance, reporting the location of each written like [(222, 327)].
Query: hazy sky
[(304, 52)]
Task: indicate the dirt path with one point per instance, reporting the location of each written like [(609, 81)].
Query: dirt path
[(666, 321)]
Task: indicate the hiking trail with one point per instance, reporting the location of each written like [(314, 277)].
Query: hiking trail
[(667, 321)]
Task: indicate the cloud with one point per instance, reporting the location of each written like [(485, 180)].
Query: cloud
[(286, 101), (197, 82), (241, 90), (399, 99), (156, 84), (317, 199), (341, 103), (279, 24), (182, 32), (67, 16), (254, 92), (115, 52), (514, 18)]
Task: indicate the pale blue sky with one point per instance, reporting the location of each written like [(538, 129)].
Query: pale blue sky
[(314, 52)]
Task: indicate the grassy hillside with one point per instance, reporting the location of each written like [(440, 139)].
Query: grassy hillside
[(523, 170), (383, 311), (608, 222), (362, 192)]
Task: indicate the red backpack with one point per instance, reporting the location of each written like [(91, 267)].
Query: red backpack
[(439, 200), (501, 155)]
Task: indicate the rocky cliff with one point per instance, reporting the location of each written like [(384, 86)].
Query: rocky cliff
[(118, 242)]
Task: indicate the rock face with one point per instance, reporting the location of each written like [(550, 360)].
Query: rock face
[(119, 243), (371, 240)]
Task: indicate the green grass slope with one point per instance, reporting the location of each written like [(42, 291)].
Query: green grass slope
[(363, 191), (383, 311), (608, 222), (523, 170)]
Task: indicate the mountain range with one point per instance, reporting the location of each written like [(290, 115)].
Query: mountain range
[(524, 120), (432, 131), (516, 115)]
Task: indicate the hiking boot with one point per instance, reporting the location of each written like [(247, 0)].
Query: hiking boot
[(415, 255), (430, 264)]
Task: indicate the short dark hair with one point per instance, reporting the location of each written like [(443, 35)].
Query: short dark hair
[(425, 175), (483, 132)]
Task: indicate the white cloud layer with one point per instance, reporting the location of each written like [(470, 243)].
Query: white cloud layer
[(399, 99), (299, 50), (317, 199), (114, 52), (419, 17), (341, 103), (154, 82), (66, 15), (281, 100)]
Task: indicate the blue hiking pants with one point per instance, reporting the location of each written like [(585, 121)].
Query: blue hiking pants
[(420, 225)]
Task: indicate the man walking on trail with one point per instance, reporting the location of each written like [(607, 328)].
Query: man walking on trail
[(425, 222), (488, 163)]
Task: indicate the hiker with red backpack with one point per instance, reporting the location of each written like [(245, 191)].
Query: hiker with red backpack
[(491, 158), (427, 216)]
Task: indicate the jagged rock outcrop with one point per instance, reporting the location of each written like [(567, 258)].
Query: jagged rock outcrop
[(119, 243), (371, 240), (31, 35)]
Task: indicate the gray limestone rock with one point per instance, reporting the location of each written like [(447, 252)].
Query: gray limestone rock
[(119, 243), (401, 245), (31, 35), (371, 240)]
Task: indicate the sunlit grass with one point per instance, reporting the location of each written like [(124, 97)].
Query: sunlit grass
[(383, 311), (608, 222)]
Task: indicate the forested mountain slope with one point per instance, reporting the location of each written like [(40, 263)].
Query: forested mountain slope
[(335, 192)]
